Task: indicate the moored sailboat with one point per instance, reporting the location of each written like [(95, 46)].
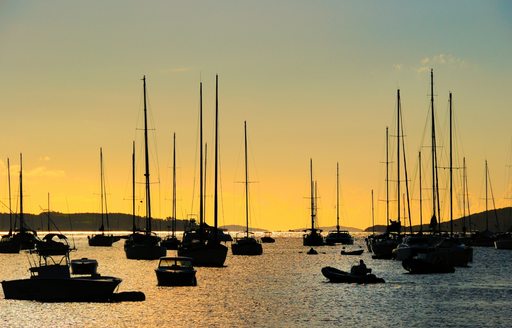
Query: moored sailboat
[(248, 244), (203, 245), (338, 236), (171, 241), (312, 236), (102, 239), (145, 245)]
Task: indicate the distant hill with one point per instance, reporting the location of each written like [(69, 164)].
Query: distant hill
[(88, 222), (326, 229), (499, 220), (234, 227)]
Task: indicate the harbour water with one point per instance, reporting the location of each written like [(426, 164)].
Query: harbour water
[(282, 288)]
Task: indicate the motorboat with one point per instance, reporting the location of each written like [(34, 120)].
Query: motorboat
[(267, 238), (338, 276), (428, 262), (351, 252), (53, 244), (51, 281), (339, 237), (246, 245), (412, 244), (176, 271)]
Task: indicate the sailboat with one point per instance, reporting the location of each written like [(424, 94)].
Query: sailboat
[(248, 244), (203, 245), (145, 245), (24, 237), (382, 245), (102, 239), (171, 241), (338, 236), (7, 243), (485, 238), (312, 236)]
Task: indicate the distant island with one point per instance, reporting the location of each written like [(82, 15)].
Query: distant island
[(500, 220)]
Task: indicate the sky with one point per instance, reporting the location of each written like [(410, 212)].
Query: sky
[(313, 79)]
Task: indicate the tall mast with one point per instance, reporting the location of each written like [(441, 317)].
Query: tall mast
[(246, 185), (22, 218), (405, 172), (338, 197), (204, 179), (451, 167), (134, 227), (215, 196), (387, 176), (464, 195), (201, 190), (398, 155), (435, 190), (102, 191), (146, 158), (373, 216), (421, 195), (48, 214), (312, 195), (9, 184), (173, 224), (486, 198)]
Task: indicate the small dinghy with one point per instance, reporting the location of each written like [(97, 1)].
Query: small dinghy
[(339, 276), (353, 252)]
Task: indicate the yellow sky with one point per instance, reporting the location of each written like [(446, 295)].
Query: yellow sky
[(312, 80)]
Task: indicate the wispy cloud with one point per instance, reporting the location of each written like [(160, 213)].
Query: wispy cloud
[(397, 67), (427, 63), (43, 171)]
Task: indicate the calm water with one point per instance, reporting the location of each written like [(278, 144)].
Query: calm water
[(282, 288)]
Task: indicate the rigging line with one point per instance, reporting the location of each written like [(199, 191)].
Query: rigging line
[(493, 202)]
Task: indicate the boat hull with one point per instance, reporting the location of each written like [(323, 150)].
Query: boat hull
[(242, 247), (503, 244), (356, 252), (421, 266), (90, 289), (176, 278), (102, 240), (337, 276), (171, 243), (143, 247), (205, 254)]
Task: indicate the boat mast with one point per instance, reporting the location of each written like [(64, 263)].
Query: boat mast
[(102, 191), (338, 197), (405, 171), (246, 185), (486, 198), (173, 223), (146, 158), (134, 228), (312, 195), (398, 156), (22, 218), (421, 195), (435, 190), (9, 184), (204, 177), (48, 214), (373, 217), (451, 167), (216, 196), (464, 195), (201, 191), (387, 177)]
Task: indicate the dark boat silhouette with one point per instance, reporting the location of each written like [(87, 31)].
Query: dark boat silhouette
[(246, 244), (203, 245), (144, 245), (102, 239), (313, 236), (171, 241)]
